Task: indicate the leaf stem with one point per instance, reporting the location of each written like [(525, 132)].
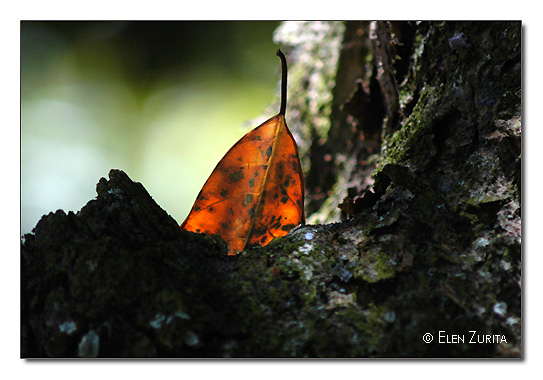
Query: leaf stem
[(283, 82)]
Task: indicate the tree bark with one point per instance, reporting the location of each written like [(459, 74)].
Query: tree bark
[(412, 129)]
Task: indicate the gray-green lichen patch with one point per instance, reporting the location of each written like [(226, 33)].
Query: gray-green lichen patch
[(68, 327), (89, 345)]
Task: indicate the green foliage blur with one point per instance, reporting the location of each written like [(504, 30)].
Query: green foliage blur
[(162, 101)]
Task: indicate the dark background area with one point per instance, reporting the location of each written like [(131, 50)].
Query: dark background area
[(146, 50)]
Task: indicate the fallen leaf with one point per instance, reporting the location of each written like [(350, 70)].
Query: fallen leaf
[(256, 192)]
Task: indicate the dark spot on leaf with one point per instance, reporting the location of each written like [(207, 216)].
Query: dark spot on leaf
[(287, 181), (276, 195), (263, 240), (269, 151), (224, 193), (288, 227), (251, 182), (257, 138), (231, 211), (236, 176), (280, 170), (284, 200), (225, 225), (252, 212), (248, 199), (196, 208), (211, 209)]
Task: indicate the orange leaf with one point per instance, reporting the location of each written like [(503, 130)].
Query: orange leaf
[(256, 192)]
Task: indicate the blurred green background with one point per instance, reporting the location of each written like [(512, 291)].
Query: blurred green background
[(162, 101)]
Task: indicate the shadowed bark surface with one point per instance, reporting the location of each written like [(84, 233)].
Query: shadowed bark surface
[(412, 129)]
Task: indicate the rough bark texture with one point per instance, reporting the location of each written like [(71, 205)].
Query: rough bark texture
[(414, 129)]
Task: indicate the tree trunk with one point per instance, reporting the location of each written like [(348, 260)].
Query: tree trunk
[(410, 139)]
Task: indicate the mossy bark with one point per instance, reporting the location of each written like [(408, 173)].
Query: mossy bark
[(416, 136)]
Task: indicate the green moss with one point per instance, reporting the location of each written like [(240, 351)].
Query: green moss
[(375, 265), (413, 141)]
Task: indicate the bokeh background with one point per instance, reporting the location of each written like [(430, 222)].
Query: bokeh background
[(162, 101)]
